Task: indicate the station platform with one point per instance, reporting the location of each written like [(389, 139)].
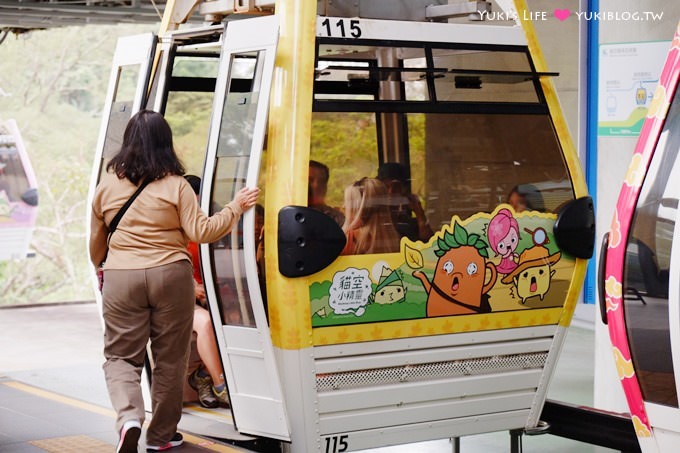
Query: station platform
[(53, 397)]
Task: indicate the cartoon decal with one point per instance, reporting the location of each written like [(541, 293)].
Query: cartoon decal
[(390, 289), (503, 234), (460, 285), (350, 291), (532, 276), (491, 262)]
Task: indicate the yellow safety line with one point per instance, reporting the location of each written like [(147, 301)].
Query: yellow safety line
[(189, 438), (61, 399), (211, 412), (209, 444)]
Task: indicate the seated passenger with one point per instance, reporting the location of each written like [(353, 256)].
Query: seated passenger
[(406, 210), (368, 225), (208, 379), (524, 197), (259, 251), (318, 187)]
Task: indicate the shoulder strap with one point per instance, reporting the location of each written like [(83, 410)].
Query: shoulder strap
[(119, 215)]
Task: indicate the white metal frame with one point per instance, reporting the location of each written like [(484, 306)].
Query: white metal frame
[(247, 353)]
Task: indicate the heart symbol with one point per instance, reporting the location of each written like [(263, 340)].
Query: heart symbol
[(562, 14)]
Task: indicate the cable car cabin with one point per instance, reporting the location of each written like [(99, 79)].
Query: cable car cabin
[(441, 307), (639, 277), (18, 194)]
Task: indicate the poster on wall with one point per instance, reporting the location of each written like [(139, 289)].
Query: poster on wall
[(629, 73)]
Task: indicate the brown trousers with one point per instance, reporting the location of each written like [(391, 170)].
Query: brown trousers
[(139, 305)]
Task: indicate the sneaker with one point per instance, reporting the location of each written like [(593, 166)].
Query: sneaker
[(222, 397), (203, 386), (129, 437), (176, 441)]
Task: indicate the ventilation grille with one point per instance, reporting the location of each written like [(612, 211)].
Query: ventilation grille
[(429, 371)]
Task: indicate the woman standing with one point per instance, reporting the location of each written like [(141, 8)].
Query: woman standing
[(148, 291)]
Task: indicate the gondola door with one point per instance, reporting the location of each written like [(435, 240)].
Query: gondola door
[(641, 281), (126, 94), (230, 271)]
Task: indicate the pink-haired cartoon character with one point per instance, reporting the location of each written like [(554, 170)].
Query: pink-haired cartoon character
[(503, 235)]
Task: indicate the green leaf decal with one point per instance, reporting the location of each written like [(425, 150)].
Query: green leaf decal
[(450, 241), (460, 234)]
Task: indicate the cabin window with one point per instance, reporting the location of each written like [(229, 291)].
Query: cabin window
[(237, 129), (13, 179), (189, 100), (466, 129), (647, 265), (121, 111)]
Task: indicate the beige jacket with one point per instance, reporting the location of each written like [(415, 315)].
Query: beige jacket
[(157, 226)]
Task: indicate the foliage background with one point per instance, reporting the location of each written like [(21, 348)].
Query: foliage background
[(53, 83)]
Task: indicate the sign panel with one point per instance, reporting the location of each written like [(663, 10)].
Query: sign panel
[(629, 73)]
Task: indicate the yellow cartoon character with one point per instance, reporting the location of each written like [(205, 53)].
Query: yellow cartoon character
[(533, 274), (463, 275), (390, 289)]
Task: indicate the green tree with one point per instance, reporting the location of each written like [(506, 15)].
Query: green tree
[(53, 83)]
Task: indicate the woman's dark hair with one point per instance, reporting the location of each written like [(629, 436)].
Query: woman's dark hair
[(147, 151)]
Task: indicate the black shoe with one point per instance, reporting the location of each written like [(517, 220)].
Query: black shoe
[(176, 441)]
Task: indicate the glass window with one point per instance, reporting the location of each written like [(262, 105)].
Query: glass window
[(647, 266), (474, 162), (189, 101), (121, 111), (13, 179), (346, 143), (424, 74), (434, 159), (233, 156), (194, 65), (478, 75)]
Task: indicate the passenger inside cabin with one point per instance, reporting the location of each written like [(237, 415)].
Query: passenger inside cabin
[(319, 174), (406, 209), (208, 379), (368, 224), (259, 251), (524, 197), (259, 224)]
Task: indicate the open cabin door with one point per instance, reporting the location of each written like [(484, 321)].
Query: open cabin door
[(235, 145), (125, 95)]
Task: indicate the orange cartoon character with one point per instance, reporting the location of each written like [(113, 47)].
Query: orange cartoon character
[(461, 281)]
